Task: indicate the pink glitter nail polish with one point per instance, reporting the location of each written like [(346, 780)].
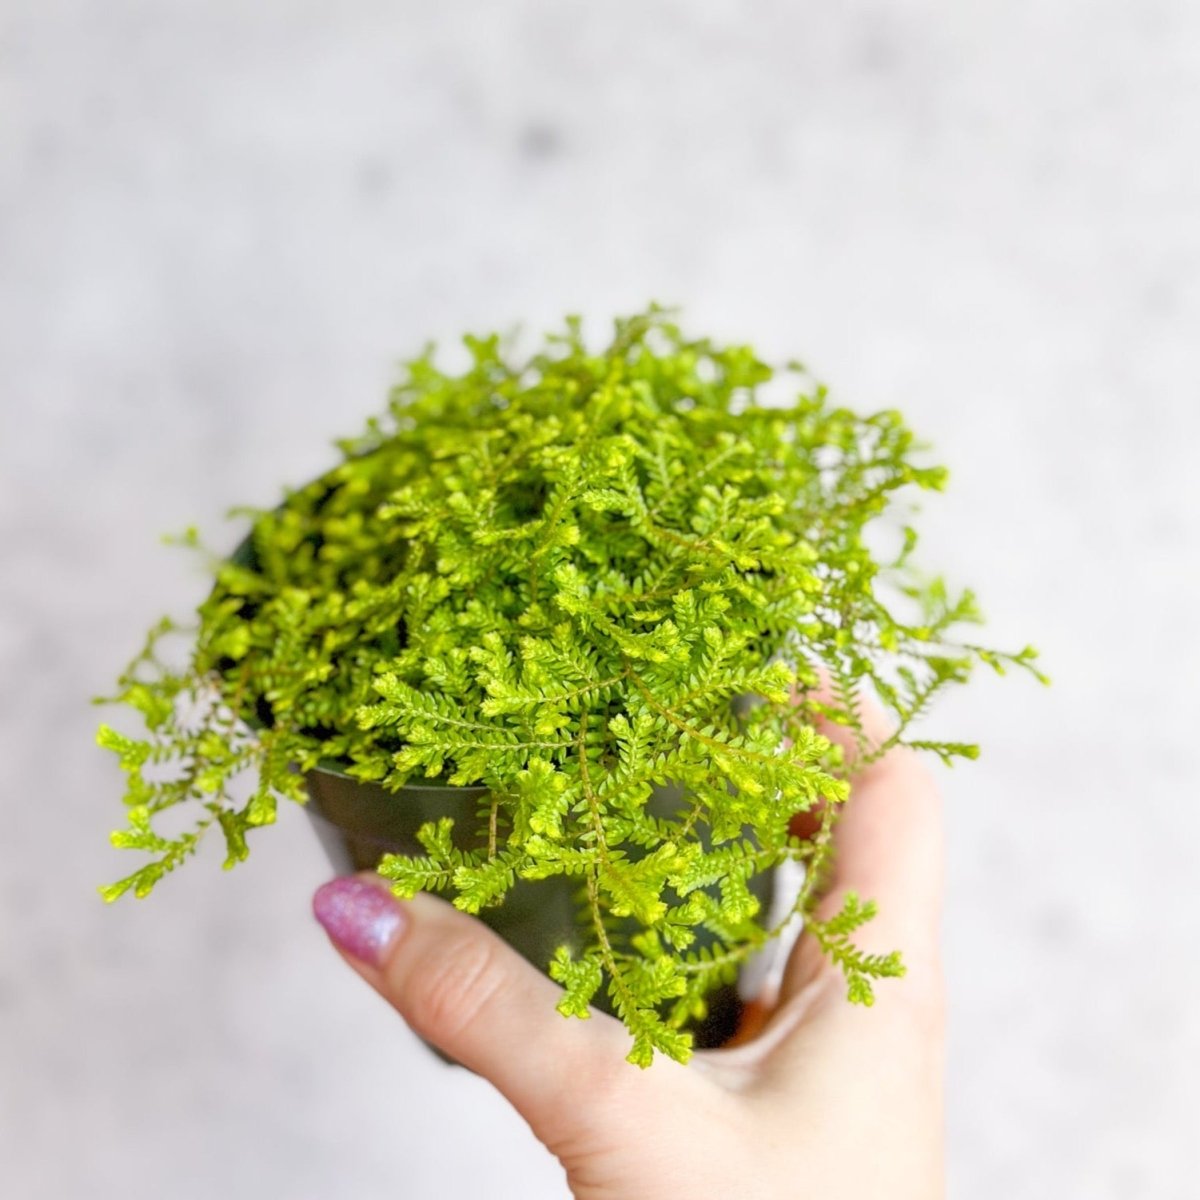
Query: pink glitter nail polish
[(361, 919)]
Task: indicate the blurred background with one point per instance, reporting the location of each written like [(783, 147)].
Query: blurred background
[(220, 226)]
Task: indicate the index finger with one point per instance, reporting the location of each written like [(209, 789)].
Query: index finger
[(888, 847)]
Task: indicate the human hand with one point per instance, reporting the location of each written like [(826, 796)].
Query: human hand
[(830, 1100)]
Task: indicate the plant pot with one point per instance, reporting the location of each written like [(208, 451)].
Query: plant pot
[(358, 823)]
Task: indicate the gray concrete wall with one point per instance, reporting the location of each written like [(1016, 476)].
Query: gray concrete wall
[(219, 224)]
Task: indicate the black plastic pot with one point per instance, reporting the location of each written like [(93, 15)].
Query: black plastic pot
[(358, 823)]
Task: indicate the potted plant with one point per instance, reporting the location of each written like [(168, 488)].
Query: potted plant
[(557, 637)]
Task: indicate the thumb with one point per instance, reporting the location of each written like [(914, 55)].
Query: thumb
[(463, 989)]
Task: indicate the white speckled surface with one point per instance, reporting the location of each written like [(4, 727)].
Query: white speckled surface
[(219, 224)]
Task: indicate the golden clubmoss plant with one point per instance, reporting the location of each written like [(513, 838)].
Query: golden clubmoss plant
[(573, 579)]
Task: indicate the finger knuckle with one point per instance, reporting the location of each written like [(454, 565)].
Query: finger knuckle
[(454, 985), (926, 998)]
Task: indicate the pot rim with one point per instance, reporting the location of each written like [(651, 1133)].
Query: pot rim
[(326, 767)]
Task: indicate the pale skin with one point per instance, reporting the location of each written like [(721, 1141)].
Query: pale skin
[(831, 1100)]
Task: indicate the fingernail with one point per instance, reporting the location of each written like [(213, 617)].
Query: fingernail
[(361, 919)]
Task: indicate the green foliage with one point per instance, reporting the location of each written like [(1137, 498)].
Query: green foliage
[(578, 580), (833, 935)]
